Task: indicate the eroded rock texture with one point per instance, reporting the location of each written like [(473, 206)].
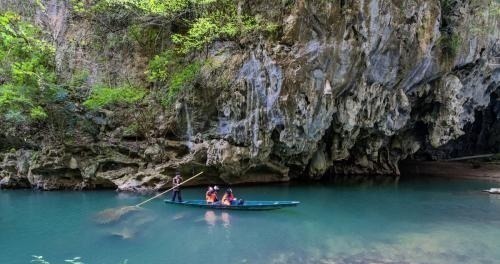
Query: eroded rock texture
[(345, 88)]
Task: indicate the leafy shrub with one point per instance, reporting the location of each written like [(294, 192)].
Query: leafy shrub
[(199, 22), (132, 129), (160, 66), (447, 6), (450, 44), (37, 113), (147, 37), (168, 69), (15, 116), (450, 41), (13, 98), (183, 78), (105, 96), (78, 79), (78, 6), (218, 20), (196, 24), (27, 66), (164, 8)]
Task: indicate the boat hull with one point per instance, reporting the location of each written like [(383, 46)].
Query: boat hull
[(493, 191), (247, 206)]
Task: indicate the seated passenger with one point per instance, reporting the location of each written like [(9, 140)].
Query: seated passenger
[(208, 194), (216, 189), (228, 198), (211, 195)]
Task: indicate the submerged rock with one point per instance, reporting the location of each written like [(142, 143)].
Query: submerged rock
[(125, 233), (115, 214)]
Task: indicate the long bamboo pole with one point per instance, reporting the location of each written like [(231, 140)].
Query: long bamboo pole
[(139, 204), (471, 157)]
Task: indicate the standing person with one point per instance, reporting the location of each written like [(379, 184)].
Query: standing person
[(176, 181)]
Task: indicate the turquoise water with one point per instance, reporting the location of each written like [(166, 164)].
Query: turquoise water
[(425, 221)]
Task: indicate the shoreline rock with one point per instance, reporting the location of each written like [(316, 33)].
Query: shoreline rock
[(475, 170), (341, 89)]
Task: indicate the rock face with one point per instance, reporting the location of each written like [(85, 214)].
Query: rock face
[(346, 88)]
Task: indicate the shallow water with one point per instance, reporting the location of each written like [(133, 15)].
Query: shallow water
[(425, 221)]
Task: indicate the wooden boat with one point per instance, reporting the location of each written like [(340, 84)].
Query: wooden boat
[(493, 191), (247, 205)]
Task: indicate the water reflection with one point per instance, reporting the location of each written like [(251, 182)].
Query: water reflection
[(211, 218), (420, 222), (225, 219), (128, 196), (494, 197)]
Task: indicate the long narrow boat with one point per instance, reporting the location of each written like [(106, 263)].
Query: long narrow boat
[(247, 205), (493, 191)]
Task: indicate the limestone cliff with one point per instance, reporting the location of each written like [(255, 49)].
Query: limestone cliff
[(343, 88)]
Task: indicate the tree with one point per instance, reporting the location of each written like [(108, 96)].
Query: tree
[(27, 70)]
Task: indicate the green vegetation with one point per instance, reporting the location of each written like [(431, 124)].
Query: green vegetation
[(37, 113), (494, 9), (198, 23), (132, 129), (78, 6), (155, 7), (27, 70), (450, 41), (175, 34), (148, 38), (182, 79), (78, 80), (166, 68), (161, 65), (217, 20), (106, 96), (488, 16), (450, 44), (447, 6)]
